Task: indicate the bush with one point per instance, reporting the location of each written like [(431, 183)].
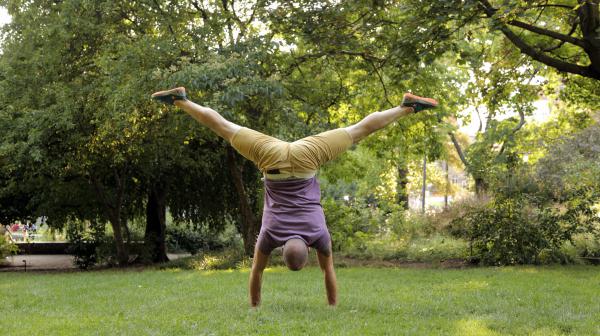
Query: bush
[(508, 231), (364, 232), (89, 245), (352, 225), (409, 226), (437, 248), (434, 248), (7, 247), (181, 238), (445, 221), (587, 245), (516, 230)]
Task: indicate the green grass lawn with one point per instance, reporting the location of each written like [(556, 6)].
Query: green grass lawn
[(372, 301)]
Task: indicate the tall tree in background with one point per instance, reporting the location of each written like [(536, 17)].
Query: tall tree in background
[(81, 126)]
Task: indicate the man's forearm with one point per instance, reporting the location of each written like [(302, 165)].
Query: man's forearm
[(331, 287), (255, 282)]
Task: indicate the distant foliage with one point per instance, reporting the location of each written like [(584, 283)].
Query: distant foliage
[(352, 225), (180, 239), (6, 246)]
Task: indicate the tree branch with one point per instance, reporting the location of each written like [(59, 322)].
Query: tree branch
[(228, 18), (363, 55), (538, 55), (385, 92), (547, 32), (168, 23), (459, 150), (201, 10), (543, 58), (480, 121), (100, 192), (257, 5), (515, 130), (553, 5), (573, 28)]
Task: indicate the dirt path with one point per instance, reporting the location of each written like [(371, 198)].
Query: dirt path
[(48, 262)]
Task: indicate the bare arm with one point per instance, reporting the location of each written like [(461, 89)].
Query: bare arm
[(326, 263), (259, 263)]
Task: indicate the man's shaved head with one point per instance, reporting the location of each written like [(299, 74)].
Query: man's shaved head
[(295, 254)]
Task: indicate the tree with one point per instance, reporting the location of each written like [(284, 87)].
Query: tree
[(78, 127)]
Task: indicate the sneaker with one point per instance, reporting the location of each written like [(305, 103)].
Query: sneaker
[(170, 96), (418, 103)]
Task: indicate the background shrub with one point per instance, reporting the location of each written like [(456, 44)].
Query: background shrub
[(515, 230), (7, 247), (187, 239), (88, 244), (502, 233), (352, 225), (587, 245)]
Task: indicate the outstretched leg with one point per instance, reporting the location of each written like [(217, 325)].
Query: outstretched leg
[(204, 115), (378, 120), (310, 153)]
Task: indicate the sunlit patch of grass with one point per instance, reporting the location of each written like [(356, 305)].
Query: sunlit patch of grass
[(223, 260), (208, 262), (473, 327)]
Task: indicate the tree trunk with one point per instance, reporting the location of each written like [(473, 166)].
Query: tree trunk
[(447, 187), (589, 18), (401, 187), (250, 225), (122, 253), (480, 186), (127, 233), (424, 189), (154, 237)]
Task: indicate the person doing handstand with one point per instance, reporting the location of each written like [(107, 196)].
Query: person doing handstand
[(292, 216)]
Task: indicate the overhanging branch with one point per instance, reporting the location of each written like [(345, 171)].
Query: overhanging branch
[(547, 32), (536, 54), (363, 55), (573, 28)]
